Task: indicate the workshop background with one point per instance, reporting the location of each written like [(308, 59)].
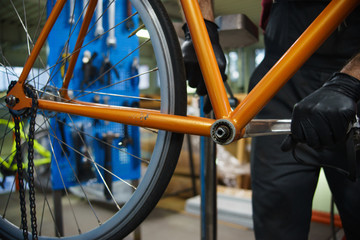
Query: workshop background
[(178, 213)]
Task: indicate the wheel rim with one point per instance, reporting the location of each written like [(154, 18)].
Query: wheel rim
[(157, 161)]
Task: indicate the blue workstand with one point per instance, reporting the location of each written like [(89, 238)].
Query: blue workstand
[(208, 183), (123, 165)]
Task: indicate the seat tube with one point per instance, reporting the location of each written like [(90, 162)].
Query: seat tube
[(206, 57)]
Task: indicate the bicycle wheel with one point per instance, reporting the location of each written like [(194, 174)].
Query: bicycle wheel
[(96, 203)]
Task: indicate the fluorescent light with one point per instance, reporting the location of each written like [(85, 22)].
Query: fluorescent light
[(143, 33)]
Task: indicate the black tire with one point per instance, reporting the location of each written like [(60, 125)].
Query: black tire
[(164, 155)]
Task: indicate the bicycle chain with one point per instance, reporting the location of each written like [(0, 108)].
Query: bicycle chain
[(30, 92), (20, 176)]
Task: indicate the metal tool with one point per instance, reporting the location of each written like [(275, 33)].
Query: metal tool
[(72, 13), (65, 59), (105, 71), (89, 70), (64, 146), (64, 62), (265, 127), (108, 140), (111, 39), (99, 29), (82, 158), (129, 23), (134, 71)]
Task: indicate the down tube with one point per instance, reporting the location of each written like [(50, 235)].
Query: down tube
[(292, 60)]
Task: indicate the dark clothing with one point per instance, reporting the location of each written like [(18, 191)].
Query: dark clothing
[(282, 188), (265, 12)]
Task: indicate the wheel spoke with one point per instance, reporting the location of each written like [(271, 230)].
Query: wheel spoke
[(70, 150), (65, 189)]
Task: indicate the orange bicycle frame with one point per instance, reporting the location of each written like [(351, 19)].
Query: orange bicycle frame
[(283, 70)]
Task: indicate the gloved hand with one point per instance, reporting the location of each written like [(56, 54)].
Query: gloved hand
[(193, 72), (323, 118)]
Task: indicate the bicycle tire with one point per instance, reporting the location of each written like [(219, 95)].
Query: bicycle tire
[(170, 71)]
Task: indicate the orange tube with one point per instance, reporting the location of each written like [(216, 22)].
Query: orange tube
[(206, 58), (292, 60), (83, 30), (17, 90), (134, 116), (41, 40)]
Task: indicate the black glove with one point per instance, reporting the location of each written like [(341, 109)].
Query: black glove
[(323, 118), (193, 72)]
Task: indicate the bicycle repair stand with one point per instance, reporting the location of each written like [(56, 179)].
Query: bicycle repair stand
[(236, 31), (208, 182), (208, 190)]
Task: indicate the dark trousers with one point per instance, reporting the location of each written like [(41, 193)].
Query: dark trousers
[(283, 189)]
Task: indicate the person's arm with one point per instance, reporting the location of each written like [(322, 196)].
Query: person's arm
[(353, 67), (323, 118)]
